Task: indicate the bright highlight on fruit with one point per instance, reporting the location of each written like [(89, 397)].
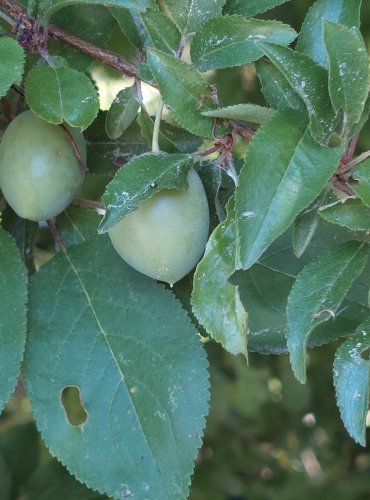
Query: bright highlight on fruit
[(39, 170), (166, 236)]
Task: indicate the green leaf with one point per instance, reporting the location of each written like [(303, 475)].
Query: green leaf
[(310, 82), (122, 112), (264, 291), (13, 300), (276, 89), (351, 380), (184, 91), (190, 15), (232, 41), (12, 63), (278, 181), (316, 295), (92, 23), (349, 74), (362, 175), (52, 481), (105, 155), (130, 349), (46, 8), (162, 31), (132, 26), (252, 7), (77, 225), (20, 447), (171, 139), (305, 225), (250, 113), (311, 37), (351, 213), (6, 480), (62, 94), (141, 179), (210, 174), (222, 314)]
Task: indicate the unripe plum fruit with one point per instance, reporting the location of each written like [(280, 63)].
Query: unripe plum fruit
[(165, 237), (39, 169)]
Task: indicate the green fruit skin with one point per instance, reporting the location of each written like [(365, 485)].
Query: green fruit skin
[(166, 236), (39, 169)]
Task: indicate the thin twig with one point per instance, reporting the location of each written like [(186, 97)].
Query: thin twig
[(71, 139), (82, 202), (56, 235), (17, 11)]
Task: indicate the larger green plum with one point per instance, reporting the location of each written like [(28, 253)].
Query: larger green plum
[(166, 236), (39, 169)]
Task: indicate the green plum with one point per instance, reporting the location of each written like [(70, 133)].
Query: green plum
[(39, 169), (165, 237)]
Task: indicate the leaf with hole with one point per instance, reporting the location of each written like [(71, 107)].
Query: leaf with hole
[(229, 41), (141, 373), (317, 294), (139, 180), (349, 72), (277, 182), (351, 380), (62, 94)]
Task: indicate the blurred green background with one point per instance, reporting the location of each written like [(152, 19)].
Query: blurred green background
[(267, 437)]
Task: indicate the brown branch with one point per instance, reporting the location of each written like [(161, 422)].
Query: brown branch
[(17, 11), (82, 202)]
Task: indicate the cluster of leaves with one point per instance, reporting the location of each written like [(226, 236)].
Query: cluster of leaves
[(286, 266)]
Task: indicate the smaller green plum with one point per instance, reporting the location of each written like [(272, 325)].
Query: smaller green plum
[(165, 237), (39, 169)]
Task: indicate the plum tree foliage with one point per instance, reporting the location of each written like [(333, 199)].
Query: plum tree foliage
[(262, 206)]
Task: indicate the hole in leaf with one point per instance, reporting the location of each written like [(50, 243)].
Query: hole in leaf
[(71, 400), (366, 355)]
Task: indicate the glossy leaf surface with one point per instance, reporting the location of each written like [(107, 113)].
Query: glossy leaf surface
[(278, 182), (349, 73), (310, 82), (233, 41), (252, 7), (62, 94), (311, 37)]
